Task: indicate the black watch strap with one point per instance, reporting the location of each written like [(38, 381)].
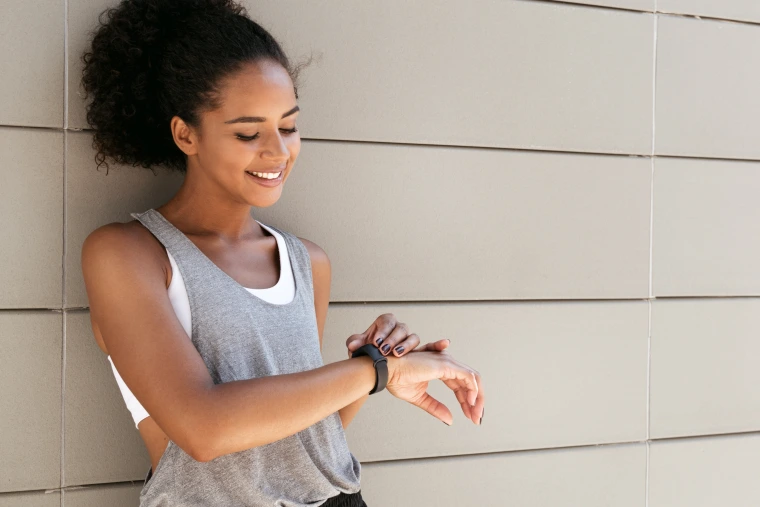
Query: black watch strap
[(380, 362)]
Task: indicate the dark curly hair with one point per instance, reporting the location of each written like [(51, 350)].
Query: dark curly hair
[(153, 59)]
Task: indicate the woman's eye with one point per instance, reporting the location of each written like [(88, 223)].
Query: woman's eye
[(256, 135)]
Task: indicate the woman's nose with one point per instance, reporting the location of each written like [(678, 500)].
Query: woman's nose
[(276, 148)]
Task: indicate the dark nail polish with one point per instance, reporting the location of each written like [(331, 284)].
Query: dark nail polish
[(386, 348), (380, 341), (399, 350)]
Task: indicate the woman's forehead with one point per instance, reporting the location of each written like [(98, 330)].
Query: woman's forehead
[(262, 89)]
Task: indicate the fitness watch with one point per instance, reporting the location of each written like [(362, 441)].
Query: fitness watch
[(380, 362)]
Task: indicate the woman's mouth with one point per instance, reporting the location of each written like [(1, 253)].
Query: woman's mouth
[(266, 179)]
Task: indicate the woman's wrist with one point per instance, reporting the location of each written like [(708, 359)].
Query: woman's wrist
[(370, 375), (392, 365)]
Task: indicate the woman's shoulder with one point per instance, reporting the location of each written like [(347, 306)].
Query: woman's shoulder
[(131, 235), (321, 269), (316, 252), (129, 242)]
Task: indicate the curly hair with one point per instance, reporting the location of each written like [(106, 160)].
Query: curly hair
[(153, 59)]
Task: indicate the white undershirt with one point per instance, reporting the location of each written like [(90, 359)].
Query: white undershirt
[(281, 293)]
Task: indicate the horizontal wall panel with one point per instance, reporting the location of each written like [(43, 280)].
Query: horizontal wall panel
[(116, 495), (704, 372), (538, 75), (705, 240), (31, 204), (554, 374), (98, 197), (595, 477), (31, 69), (741, 10), (637, 5), (31, 499), (705, 472), (707, 100), (30, 400), (433, 223), (101, 443)]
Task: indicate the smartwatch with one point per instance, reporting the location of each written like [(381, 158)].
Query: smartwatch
[(380, 362)]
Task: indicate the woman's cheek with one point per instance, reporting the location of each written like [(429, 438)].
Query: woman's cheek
[(295, 149)]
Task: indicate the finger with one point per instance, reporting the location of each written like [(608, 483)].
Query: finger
[(384, 326), (460, 391), (355, 341), (406, 344), (435, 346), (381, 320), (461, 372), (435, 408), (442, 344), (480, 401), (476, 406), (397, 334)]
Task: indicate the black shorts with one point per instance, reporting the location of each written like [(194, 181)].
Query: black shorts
[(345, 500)]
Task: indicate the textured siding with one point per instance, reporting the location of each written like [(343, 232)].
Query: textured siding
[(566, 190)]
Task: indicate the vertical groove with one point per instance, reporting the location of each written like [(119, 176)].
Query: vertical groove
[(651, 182), (63, 239), (654, 80), (646, 482), (65, 64), (651, 258), (649, 371), (63, 398), (63, 315)]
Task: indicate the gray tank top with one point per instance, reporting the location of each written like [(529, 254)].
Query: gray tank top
[(241, 336)]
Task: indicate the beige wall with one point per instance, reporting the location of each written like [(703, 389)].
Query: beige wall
[(569, 192)]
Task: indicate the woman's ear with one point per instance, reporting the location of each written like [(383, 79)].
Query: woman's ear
[(184, 136)]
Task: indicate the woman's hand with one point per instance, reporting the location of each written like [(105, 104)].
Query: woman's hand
[(408, 379), (431, 361), (390, 335)]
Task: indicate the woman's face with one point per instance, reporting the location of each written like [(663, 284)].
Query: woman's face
[(254, 131)]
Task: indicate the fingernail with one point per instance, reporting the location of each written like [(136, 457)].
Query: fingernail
[(399, 350), (481, 415), (444, 422), (386, 348), (379, 341)]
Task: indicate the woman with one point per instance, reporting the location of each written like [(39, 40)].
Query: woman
[(244, 412)]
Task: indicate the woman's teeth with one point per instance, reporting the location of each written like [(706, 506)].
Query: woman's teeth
[(268, 176)]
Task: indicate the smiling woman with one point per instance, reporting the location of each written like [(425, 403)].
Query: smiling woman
[(244, 412)]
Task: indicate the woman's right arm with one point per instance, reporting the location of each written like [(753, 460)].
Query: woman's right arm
[(126, 288)]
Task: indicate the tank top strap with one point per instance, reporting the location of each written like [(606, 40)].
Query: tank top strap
[(196, 268), (169, 236), (300, 261)]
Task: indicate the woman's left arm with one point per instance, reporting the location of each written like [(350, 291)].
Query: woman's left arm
[(321, 276)]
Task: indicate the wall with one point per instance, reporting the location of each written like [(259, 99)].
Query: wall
[(568, 192)]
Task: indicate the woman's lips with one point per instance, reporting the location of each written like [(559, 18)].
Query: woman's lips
[(267, 182)]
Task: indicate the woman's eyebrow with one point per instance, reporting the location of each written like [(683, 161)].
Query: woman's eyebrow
[(259, 119)]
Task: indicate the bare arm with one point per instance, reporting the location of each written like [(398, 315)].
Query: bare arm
[(321, 270), (126, 287)]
